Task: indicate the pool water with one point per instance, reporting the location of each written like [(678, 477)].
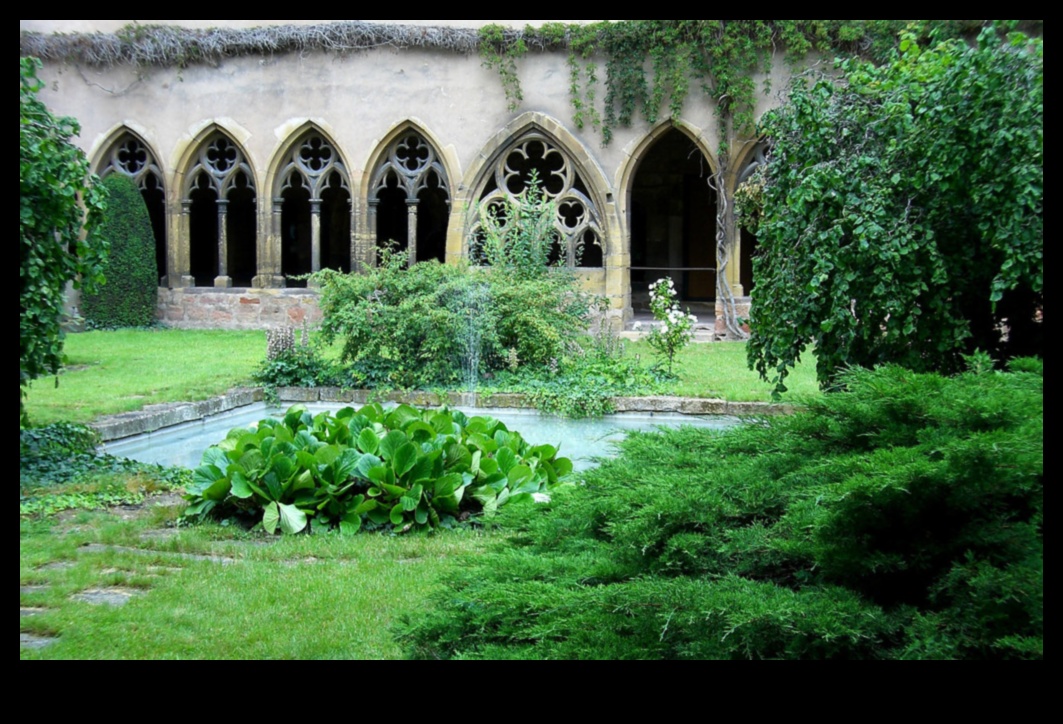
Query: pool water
[(584, 441)]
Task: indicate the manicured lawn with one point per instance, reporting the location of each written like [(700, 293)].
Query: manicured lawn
[(113, 372), (121, 371), (720, 370), (321, 597)]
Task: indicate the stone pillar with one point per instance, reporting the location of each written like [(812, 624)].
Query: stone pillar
[(315, 235), (353, 241), (223, 279), (370, 240), (411, 229), (184, 276)]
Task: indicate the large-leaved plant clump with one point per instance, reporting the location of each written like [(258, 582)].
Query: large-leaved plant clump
[(405, 468)]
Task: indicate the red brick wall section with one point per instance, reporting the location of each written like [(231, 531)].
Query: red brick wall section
[(237, 308)]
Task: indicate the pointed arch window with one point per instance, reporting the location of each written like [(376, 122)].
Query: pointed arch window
[(409, 199), (314, 205), (131, 157), (578, 226), (220, 200)]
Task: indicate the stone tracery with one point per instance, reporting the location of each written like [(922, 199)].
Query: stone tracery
[(409, 198), (312, 206), (578, 224), (219, 200)]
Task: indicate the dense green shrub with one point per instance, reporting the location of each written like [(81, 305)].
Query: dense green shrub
[(129, 296), (903, 518), (403, 468), (448, 325), (903, 217)]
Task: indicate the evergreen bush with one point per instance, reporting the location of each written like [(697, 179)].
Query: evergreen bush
[(901, 519), (129, 296)]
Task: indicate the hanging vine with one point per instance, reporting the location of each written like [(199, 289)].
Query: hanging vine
[(651, 67)]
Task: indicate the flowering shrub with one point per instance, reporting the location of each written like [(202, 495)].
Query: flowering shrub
[(675, 329)]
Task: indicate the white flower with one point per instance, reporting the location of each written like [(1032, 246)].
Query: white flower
[(540, 497)]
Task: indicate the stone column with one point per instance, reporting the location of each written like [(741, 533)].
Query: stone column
[(411, 229), (370, 243), (184, 247), (315, 235), (353, 241), (223, 279)]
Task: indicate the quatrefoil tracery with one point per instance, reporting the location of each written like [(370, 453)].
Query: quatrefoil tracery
[(221, 166), (412, 165), (314, 164), (132, 158)]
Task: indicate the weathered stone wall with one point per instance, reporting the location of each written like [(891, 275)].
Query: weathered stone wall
[(206, 308)]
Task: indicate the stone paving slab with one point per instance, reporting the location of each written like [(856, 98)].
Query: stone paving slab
[(113, 597), (98, 548), (34, 643)]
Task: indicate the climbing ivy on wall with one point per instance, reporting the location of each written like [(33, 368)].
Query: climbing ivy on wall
[(652, 67)]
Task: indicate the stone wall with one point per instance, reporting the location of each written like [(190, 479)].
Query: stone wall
[(206, 308), (742, 307)]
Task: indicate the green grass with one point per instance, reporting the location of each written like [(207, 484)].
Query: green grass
[(122, 371), (323, 597), (719, 370)]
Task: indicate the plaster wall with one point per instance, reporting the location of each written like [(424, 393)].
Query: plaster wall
[(359, 100)]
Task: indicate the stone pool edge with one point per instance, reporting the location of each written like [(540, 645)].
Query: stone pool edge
[(157, 417)]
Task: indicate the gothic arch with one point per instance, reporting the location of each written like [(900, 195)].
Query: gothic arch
[(574, 178), (669, 212), (125, 152), (218, 196), (408, 193), (312, 203)]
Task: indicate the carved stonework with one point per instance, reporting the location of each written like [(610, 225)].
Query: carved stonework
[(315, 164), (411, 165), (221, 166), (130, 157), (578, 222)]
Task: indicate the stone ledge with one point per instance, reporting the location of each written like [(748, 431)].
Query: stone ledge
[(156, 417), (506, 400)]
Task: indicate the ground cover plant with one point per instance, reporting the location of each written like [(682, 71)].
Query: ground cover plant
[(902, 518), (402, 469), (109, 372), (59, 469)]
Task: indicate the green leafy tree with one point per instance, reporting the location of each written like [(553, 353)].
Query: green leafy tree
[(903, 212), (59, 210), (129, 297)]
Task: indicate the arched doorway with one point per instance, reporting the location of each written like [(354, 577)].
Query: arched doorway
[(673, 223)]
